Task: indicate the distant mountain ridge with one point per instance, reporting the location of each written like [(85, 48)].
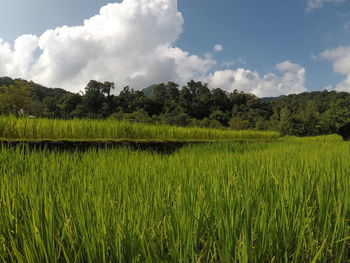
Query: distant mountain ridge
[(149, 90)]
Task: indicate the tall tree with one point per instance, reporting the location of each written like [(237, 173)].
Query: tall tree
[(17, 99)]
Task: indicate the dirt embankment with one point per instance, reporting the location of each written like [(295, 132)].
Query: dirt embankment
[(163, 147), (166, 147)]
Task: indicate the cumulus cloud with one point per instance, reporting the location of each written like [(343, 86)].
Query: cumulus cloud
[(340, 57), (317, 4), (291, 79), (218, 48), (130, 43)]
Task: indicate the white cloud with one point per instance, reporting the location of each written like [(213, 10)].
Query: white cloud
[(317, 4), (131, 43), (233, 62), (128, 42), (290, 80), (218, 48), (340, 57), (287, 66)]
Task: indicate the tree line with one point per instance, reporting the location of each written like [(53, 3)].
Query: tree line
[(195, 104)]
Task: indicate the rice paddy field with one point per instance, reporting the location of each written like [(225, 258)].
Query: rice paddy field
[(286, 201), (12, 128)]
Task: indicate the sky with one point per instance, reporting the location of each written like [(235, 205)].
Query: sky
[(268, 48)]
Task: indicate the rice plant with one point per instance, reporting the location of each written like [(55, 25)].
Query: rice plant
[(222, 202), (12, 128)]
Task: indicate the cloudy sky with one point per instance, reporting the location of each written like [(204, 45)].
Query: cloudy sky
[(268, 48)]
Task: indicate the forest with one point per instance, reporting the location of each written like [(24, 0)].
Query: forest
[(195, 104)]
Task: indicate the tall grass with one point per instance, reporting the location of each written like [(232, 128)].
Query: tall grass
[(319, 139), (258, 202), (41, 129)]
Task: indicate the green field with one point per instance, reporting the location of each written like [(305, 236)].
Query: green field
[(12, 128), (287, 201)]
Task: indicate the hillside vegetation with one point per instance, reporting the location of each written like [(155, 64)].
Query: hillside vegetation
[(306, 114)]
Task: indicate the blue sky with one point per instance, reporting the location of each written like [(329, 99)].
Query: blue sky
[(292, 44), (267, 32)]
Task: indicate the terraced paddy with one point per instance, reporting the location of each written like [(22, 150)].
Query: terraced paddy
[(229, 201), (12, 128)]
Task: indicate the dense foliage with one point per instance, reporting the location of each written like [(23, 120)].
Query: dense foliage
[(229, 202), (306, 114)]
